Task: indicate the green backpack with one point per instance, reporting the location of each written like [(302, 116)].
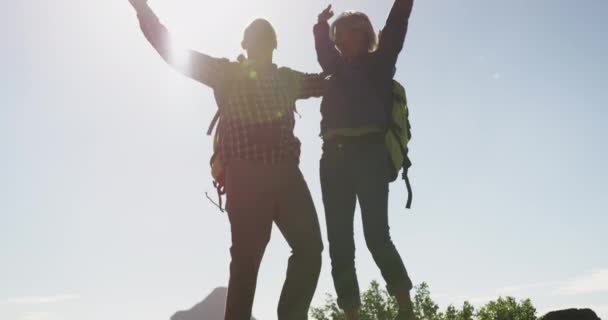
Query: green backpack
[(397, 138)]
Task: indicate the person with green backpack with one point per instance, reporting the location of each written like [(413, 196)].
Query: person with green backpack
[(365, 133), (256, 161)]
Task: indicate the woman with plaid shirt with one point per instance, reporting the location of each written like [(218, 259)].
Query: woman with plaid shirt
[(256, 100)]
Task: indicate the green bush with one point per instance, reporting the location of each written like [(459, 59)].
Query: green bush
[(377, 304)]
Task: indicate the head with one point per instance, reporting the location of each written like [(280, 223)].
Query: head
[(259, 40), (354, 34)]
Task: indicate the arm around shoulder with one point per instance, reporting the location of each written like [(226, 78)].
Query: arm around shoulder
[(306, 85)]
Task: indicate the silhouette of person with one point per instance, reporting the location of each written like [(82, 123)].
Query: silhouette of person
[(257, 146), (355, 164)]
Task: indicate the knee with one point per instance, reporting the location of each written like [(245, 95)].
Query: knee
[(379, 244), (309, 259), (315, 260), (311, 252), (341, 261), (247, 254)]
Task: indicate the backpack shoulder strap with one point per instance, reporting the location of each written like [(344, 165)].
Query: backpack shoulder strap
[(218, 100), (219, 95), (213, 123)]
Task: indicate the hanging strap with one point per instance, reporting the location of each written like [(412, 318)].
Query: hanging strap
[(406, 166), (410, 194), (213, 123), (218, 187), (221, 191)]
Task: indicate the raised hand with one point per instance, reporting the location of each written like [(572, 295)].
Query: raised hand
[(138, 4), (327, 14)]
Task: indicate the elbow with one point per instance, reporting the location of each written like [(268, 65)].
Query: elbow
[(327, 66), (162, 51), (327, 60)]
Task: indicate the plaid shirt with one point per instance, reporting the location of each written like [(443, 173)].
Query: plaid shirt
[(256, 103)]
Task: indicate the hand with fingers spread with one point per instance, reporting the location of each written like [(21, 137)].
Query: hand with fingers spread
[(327, 14)]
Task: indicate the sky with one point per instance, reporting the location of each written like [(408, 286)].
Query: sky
[(104, 161)]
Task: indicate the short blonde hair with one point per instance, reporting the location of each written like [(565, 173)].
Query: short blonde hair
[(356, 19)]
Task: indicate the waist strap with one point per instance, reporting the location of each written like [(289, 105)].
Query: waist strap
[(373, 137)]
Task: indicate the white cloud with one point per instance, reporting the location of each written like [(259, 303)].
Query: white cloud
[(517, 291), (589, 283), (525, 289), (595, 282), (496, 76), (41, 299), (37, 316)]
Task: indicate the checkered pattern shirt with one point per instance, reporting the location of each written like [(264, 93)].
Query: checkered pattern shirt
[(256, 103)]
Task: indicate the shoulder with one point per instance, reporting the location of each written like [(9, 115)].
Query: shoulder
[(232, 69), (378, 56), (227, 63)]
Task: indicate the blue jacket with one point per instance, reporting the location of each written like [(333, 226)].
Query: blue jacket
[(360, 91)]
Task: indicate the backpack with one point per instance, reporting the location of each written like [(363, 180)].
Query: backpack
[(398, 136), (218, 172)]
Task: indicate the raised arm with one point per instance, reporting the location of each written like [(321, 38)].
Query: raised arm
[(327, 54), (393, 34), (195, 65)]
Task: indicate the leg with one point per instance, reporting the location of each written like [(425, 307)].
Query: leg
[(298, 222), (339, 201), (372, 189), (250, 211)]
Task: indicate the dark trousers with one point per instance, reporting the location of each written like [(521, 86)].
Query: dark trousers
[(258, 195), (354, 168)]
